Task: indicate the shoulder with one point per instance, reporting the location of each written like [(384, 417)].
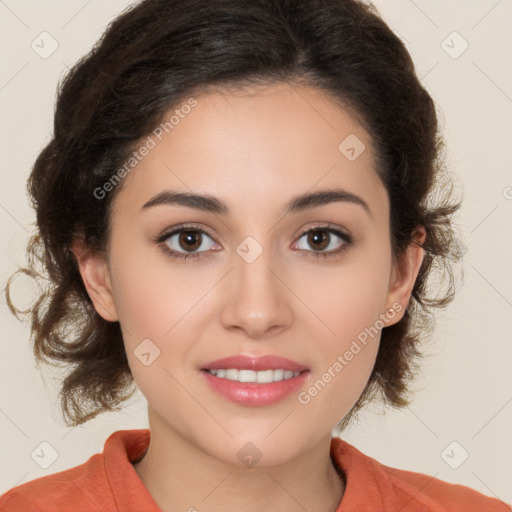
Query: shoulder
[(13, 501), (75, 487), (439, 495), (94, 485), (391, 489)]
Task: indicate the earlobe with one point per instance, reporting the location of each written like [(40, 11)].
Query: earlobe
[(405, 271), (95, 275)]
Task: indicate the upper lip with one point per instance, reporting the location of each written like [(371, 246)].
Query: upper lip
[(269, 362)]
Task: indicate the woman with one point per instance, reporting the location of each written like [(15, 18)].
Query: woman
[(236, 213)]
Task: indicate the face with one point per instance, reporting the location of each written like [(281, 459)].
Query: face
[(303, 283)]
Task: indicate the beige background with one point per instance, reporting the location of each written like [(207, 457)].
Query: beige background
[(465, 392)]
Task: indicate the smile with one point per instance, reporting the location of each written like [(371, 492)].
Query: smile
[(272, 385)]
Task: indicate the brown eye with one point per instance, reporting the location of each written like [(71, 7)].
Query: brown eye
[(184, 242), (189, 240), (321, 238), (318, 240)]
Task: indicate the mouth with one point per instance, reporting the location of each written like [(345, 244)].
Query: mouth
[(255, 381)]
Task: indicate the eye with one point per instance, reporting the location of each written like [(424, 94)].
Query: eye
[(189, 238), (320, 238)]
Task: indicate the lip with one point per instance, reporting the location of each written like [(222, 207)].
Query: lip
[(253, 393), (243, 362)]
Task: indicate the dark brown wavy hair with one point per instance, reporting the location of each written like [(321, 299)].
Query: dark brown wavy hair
[(151, 57)]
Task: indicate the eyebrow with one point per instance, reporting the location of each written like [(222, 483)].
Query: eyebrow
[(299, 203)]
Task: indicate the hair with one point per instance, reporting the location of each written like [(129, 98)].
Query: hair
[(152, 57)]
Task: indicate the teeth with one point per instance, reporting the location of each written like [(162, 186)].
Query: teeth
[(263, 376)]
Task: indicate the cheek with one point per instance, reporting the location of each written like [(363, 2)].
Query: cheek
[(139, 304), (338, 388), (160, 312), (150, 292), (350, 297), (153, 316), (346, 361), (349, 302)]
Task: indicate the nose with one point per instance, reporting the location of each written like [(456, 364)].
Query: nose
[(256, 300)]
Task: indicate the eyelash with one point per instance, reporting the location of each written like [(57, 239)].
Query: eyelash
[(193, 256)]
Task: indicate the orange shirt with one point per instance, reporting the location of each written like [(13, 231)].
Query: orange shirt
[(107, 482)]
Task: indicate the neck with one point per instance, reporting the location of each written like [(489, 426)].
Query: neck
[(181, 476)]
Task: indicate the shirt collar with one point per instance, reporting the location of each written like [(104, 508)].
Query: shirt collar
[(367, 486), (121, 448)]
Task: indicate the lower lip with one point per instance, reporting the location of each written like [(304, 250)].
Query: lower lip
[(253, 393)]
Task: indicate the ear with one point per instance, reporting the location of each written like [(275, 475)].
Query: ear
[(404, 273), (95, 275)]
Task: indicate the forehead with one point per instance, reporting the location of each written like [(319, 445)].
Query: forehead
[(255, 147)]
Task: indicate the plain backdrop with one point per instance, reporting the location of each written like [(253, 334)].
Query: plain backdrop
[(462, 404)]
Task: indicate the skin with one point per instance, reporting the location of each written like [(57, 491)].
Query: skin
[(254, 152)]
